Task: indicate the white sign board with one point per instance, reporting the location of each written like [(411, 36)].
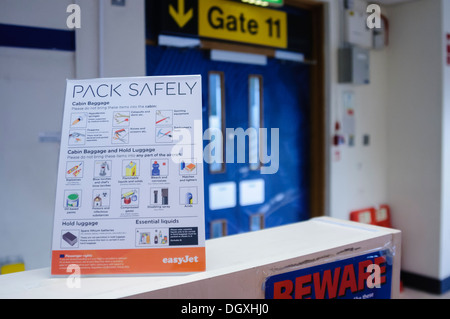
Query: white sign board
[(222, 195), (129, 194), (251, 192)]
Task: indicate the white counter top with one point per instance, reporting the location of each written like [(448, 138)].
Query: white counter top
[(236, 265)]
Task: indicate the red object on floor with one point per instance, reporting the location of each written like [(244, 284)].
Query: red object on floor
[(365, 216), (383, 216), (379, 217)]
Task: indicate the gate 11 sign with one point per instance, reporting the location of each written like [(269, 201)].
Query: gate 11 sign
[(225, 20), (364, 277), (125, 202), (243, 23)]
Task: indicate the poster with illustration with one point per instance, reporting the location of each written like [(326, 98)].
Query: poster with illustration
[(123, 203)]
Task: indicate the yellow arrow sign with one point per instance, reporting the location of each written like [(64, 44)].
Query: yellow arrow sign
[(180, 17)]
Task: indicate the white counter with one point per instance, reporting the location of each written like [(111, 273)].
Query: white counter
[(236, 266)]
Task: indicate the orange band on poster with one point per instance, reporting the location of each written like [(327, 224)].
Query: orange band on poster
[(129, 261)]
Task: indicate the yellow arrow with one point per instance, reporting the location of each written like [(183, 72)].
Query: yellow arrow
[(180, 17)]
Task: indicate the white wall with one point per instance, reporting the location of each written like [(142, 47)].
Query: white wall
[(414, 121), (358, 179), (406, 111), (35, 13), (445, 199), (32, 86), (123, 42), (111, 41)]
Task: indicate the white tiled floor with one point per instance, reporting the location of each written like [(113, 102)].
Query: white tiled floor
[(409, 293)]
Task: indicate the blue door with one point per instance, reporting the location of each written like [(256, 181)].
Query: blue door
[(238, 197)]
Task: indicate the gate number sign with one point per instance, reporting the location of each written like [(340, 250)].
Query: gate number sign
[(230, 21), (242, 23)]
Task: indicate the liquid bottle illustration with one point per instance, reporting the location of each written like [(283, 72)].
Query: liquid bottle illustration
[(155, 170)]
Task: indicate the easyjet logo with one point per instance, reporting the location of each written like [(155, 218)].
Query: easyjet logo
[(181, 260)]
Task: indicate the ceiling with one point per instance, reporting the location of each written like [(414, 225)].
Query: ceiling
[(391, 2)]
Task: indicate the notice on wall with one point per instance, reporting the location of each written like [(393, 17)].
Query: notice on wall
[(348, 117), (129, 196)]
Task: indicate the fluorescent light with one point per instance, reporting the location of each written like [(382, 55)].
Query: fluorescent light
[(291, 56), (238, 57), (179, 42), (262, 3)]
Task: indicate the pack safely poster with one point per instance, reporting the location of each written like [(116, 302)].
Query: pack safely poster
[(129, 197)]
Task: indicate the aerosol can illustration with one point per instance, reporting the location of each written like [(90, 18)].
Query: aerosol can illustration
[(165, 196)]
